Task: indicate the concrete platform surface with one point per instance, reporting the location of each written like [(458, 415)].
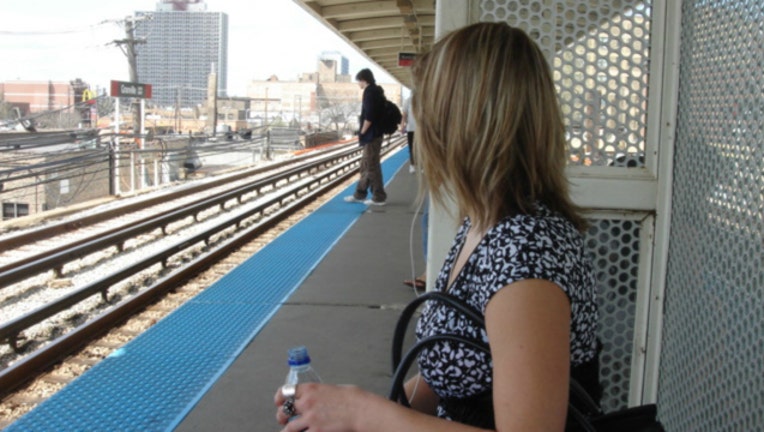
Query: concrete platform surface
[(344, 312)]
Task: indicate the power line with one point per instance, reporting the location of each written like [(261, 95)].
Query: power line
[(51, 32)]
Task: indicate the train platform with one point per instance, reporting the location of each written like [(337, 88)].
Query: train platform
[(333, 283)]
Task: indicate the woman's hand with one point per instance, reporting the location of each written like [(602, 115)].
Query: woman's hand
[(333, 408), (322, 406)]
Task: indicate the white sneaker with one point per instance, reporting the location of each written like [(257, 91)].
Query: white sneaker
[(352, 199), (370, 202), (412, 169)]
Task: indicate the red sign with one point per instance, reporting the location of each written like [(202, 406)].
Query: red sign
[(406, 59), (130, 89)]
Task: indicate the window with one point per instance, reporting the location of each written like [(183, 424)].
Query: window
[(14, 210)]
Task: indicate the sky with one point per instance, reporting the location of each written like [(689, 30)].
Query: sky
[(61, 40)]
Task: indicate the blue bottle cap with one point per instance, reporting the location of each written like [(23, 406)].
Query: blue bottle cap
[(298, 356)]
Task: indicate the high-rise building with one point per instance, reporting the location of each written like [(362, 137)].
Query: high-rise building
[(341, 62), (183, 44), (332, 67)]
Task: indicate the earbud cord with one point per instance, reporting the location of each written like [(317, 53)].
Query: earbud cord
[(413, 278), (411, 245)]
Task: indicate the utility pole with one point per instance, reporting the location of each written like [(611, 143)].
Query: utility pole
[(212, 100), (127, 46), (178, 119)]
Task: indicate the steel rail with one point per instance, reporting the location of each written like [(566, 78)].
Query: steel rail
[(54, 259), (9, 331), (15, 241)]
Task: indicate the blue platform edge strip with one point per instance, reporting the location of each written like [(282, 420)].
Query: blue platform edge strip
[(154, 381)]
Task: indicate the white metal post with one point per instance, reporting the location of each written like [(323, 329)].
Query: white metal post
[(116, 147), (449, 15), (669, 107), (132, 170), (142, 145)]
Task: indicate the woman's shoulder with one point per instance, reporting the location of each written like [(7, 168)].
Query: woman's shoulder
[(542, 227), (541, 245)]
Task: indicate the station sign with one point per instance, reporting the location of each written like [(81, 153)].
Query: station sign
[(130, 89), (406, 59)]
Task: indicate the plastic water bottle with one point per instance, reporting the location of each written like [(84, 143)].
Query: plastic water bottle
[(300, 369)]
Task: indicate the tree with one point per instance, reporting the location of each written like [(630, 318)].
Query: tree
[(339, 114), (5, 112), (105, 105)]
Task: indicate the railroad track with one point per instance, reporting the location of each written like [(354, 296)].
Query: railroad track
[(28, 140), (197, 233), (12, 242)]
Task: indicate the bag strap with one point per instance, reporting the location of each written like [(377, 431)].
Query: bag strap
[(408, 312), (402, 365), (578, 393), (579, 418), (397, 392)]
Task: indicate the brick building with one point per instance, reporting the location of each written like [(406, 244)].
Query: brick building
[(325, 99), (37, 96)]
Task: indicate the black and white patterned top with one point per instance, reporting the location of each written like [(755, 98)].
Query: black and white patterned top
[(542, 246)]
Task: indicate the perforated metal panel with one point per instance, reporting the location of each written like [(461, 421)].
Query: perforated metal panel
[(599, 53), (712, 359), (613, 246)]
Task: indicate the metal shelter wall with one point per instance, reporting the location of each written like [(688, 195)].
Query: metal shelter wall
[(600, 54), (713, 334), (667, 148)]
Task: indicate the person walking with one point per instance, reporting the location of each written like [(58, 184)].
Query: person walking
[(370, 138), (491, 137)]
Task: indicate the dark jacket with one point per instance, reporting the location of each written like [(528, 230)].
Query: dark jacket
[(371, 109)]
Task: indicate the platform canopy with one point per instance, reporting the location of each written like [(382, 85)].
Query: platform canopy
[(387, 32), (383, 31)]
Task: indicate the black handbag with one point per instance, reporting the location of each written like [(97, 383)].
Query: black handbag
[(584, 414)]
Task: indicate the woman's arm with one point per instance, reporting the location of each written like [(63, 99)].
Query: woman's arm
[(528, 325)]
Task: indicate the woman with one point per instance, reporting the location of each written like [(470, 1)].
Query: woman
[(490, 134)]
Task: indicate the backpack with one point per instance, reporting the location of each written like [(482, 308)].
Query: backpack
[(391, 118)]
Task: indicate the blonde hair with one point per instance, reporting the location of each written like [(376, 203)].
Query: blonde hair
[(489, 127)]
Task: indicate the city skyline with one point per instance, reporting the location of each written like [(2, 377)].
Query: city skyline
[(61, 41)]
